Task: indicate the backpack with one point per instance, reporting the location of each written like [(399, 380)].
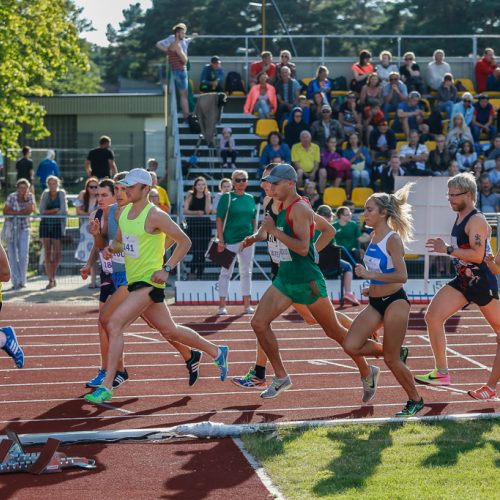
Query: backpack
[(193, 124), (339, 83), (234, 82)]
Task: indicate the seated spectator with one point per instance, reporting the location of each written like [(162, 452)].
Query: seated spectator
[(361, 70), (458, 134), (492, 154), (371, 93), (347, 233), (488, 201), (437, 69), (333, 167), (225, 186), (385, 67), (360, 160), (47, 167), (265, 65), (162, 192), (453, 169), (275, 147), (372, 116), (465, 108), (493, 81), (227, 148), (316, 107), (303, 105), (321, 84), (311, 193), (295, 127), (484, 68), (327, 127), (410, 115), (382, 141), (439, 158), (410, 74), (350, 115), (305, 158), (494, 174), (466, 156), (287, 93), (394, 92), (212, 76), (447, 95), (286, 62), (477, 170), (261, 98), (483, 119), (389, 174), (414, 155)]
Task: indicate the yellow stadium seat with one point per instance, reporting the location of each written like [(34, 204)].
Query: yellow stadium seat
[(427, 106), (284, 124), (495, 103), (237, 93), (306, 81), (399, 145), (494, 243), (431, 145), (493, 94), (261, 147), (339, 93), (334, 196), (359, 196), (467, 83), (411, 256), (265, 126), (446, 124)]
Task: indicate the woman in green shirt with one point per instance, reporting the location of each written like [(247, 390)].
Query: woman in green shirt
[(347, 232)]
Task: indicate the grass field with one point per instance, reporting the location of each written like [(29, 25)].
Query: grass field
[(415, 460)]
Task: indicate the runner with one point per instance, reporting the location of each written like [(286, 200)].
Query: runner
[(474, 282), (299, 280), (8, 338), (141, 236), (390, 217)]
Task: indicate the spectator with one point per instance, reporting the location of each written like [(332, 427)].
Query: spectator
[(361, 71), (261, 98), (197, 206), (382, 141), (100, 161), (152, 165), (347, 233), (394, 92), (360, 160), (372, 91), (238, 208), (287, 93), (439, 158), (372, 116), (389, 174), (483, 119), (227, 148), (295, 127), (265, 65), (458, 134), (447, 95), (333, 167), (410, 74), (492, 154), (225, 186), (488, 202), (437, 69), (16, 231), (350, 115), (305, 158), (386, 66), (493, 81), (47, 167), (311, 193), (303, 105), (410, 114), (286, 62), (465, 108), (453, 169), (275, 147), (163, 45), (494, 174), (466, 156), (164, 199), (52, 203), (212, 76), (315, 108), (485, 67), (24, 166), (321, 84), (414, 155), (322, 130), (477, 170)]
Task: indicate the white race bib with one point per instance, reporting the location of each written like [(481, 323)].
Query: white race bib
[(106, 265), (131, 246), (274, 250)]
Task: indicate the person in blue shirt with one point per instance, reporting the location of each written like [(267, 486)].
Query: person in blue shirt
[(212, 76), (47, 167), (275, 147), (465, 107)]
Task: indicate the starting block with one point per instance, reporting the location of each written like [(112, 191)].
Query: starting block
[(13, 458)]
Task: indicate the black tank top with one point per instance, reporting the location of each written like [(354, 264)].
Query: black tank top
[(197, 203), (270, 238)]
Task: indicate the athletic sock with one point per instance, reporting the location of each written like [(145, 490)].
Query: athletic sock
[(443, 372), (260, 371)]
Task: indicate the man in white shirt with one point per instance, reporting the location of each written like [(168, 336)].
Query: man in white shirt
[(437, 69)]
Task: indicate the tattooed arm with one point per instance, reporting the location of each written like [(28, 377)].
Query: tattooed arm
[(478, 231)]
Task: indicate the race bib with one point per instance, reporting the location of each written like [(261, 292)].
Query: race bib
[(372, 264), (131, 246), (274, 250), (119, 258), (106, 265), (284, 253)]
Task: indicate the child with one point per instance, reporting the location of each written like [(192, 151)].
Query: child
[(228, 148)]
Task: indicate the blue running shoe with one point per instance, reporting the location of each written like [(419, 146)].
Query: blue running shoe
[(12, 347), (221, 362), (97, 380)]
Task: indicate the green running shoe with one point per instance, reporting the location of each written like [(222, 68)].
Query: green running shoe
[(411, 408), (403, 354), (100, 395)]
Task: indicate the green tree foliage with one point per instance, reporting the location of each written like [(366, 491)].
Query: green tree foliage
[(38, 45)]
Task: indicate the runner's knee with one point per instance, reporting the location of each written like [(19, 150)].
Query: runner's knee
[(258, 324)]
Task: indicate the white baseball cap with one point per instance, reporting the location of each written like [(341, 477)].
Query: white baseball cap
[(137, 176)]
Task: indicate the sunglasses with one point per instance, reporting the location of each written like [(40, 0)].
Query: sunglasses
[(393, 79), (93, 187), (326, 112), (240, 180), (408, 58), (454, 195)]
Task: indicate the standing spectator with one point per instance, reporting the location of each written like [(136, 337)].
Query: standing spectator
[(225, 186), (24, 166), (385, 67), (287, 93), (488, 202), (410, 114), (321, 84), (382, 142), (52, 203), (262, 98), (439, 158), (197, 206), (485, 67), (275, 147), (47, 167), (100, 161), (327, 127), (466, 156), (465, 108), (394, 92), (446, 95), (372, 91), (347, 233), (493, 81), (227, 148), (16, 232), (410, 74), (265, 65), (458, 134), (437, 69), (295, 127), (483, 119), (152, 165), (305, 158), (162, 192), (361, 70), (414, 155), (333, 167), (212, 76), (350, 115), (238, 208), (163, 45), (286, 62), (389, 174), (360, 159)]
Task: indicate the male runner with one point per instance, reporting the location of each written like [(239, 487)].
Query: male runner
[(475, 282), (141, 236)]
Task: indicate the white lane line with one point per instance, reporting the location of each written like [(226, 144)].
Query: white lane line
[(139, 337), (115, 408)]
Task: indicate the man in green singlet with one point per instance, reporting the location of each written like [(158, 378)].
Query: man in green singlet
[(141, 237)]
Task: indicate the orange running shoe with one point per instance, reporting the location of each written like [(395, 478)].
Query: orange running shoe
[(483, 393)]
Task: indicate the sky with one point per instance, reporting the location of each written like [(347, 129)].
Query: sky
[(104, 12)]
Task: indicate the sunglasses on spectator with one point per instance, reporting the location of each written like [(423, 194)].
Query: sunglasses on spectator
[(393, 79), (408, 58), (240, 179), (93, 186), (326, 112)]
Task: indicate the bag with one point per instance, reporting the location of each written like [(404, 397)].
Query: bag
[(339, 83), (358, 166), (193, 124), (234, 82)]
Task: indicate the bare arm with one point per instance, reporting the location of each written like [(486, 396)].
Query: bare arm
[(4, 265), (88, 168), (112, 168), (208, 202), (327, 232)]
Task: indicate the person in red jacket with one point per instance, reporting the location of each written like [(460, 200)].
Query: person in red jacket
[(485, 67)]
